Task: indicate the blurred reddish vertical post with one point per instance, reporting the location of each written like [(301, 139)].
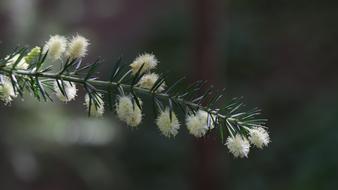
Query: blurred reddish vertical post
[(206, 14)]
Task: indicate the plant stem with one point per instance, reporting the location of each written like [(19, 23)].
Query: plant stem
[(100, 83)]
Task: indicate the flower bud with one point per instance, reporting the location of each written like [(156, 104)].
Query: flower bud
[(7, 93), (77, 47), (198, 124), (22, 64), (259, 137), (68, 93), (147, 81), (168, 127), (33, 54), (56, 46), (239, 146), (148, 61), (95, 110), (128, 111)]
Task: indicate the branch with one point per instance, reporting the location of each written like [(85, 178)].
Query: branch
[(34, 72)]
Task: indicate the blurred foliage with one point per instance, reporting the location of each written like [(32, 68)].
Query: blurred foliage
[(280, 54)]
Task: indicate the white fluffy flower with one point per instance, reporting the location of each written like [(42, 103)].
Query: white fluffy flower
[(206, 117), (128, 112), (95, 110), (56, 46), (22, 64), (69, 91), (148, 61), (147, 81), (168, 127), (77, 47), (259, 137), (239, 146), (7, 92), (198, 124)]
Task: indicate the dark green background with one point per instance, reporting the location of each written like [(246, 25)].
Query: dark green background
[(279, 55)]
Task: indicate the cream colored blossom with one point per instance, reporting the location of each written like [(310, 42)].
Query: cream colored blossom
[(70, 90), (168, 127), (205, 117), (147, 81), (148, 61), (259, 137), (22, 64), (239, 146), (78, 47), (198, 124), (95, 110), (56, 46), (7, 92), (128, 112)]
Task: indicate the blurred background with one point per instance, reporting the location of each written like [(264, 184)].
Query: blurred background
[(279, 55)]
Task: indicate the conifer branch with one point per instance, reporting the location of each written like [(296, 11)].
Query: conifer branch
[(32, 72)]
